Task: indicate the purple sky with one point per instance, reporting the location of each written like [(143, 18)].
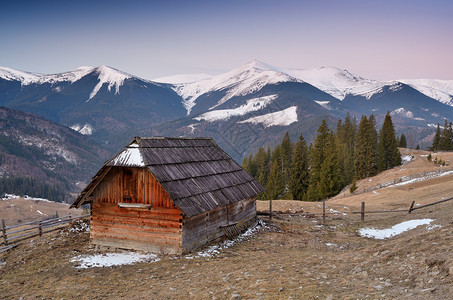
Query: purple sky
[(374, 39)]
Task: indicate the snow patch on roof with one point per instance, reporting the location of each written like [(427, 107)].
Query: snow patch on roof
[(130, 157), (280, 118), (224, 114), (381, 234)]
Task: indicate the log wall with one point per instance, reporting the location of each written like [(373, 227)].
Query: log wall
[(210, 226), (157, 228)]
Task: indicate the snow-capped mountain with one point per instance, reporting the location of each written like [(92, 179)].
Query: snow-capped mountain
[(337, 82), (106, 75), (92, 100), (244, 108), (240, 81), (441, 90)]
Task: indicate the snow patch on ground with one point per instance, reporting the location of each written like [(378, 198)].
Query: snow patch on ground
[(112, 259), (26, 197), (224, 114), (397, 229), (406, 180), (407, 158), (280, 118), (216, 249)]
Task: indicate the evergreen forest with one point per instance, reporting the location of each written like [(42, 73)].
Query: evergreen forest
[(443, 139), (333, 161), (30, 186)]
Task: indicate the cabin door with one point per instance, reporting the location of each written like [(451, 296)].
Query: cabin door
[(129, 185)]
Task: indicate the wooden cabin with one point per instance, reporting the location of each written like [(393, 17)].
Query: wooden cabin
[(169, 195)]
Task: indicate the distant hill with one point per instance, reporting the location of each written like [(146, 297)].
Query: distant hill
[(49, 154)]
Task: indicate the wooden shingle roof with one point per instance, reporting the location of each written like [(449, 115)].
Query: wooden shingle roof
[(196, 173)]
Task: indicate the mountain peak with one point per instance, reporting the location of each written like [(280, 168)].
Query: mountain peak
[(111, 76), (240, 81)]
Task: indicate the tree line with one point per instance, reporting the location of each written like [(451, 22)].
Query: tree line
[(29, 186), (333, 161), (443, 141)]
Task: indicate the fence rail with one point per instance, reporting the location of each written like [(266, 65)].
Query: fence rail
[(400, 180), (362, 212), (12, 235)]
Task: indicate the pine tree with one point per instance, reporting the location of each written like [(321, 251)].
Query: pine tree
[(446, 138), (346, 134), (275, 184), (299, 175), (325, 172), (388, 153), (402, 142), (261, 167), (436, 138), (365, 152), (286, 153)]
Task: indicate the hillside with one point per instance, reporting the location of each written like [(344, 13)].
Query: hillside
[(292, 256), (416, 180), (53, 155), (16, 210)]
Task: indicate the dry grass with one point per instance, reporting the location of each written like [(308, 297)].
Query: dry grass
[(300, 258), (17, 211)]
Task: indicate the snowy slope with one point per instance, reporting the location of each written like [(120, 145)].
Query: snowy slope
[(283, 117), (110, 76), (240, 81), (337, 82), (224, 114), (441, 90)]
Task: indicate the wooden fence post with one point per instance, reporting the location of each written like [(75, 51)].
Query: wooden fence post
[(5, 238), (412, 206), (362, 212), (40, 228), (324, 212), (270, 209)]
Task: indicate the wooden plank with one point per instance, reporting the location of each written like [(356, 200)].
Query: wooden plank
[(136, 245), (137, 222)]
